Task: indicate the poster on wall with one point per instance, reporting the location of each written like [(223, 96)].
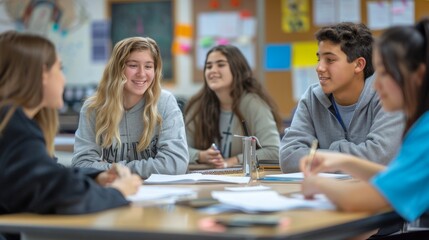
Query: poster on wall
[(67, 24), (225, 27)]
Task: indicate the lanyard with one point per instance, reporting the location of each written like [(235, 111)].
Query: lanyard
[(227, 134), (337, 113)]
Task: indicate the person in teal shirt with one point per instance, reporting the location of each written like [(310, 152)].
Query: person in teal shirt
[(401, 60)]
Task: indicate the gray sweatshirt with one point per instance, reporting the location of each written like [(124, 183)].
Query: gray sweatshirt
[(260, 122), (372, 134), (167, 152)]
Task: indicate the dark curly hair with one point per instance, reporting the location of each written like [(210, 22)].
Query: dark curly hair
[(355, 40)]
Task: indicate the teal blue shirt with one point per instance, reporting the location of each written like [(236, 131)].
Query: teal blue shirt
[(404, 183)]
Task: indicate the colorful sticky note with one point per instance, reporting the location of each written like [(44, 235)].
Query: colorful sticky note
[(180, 47), (222, 41), (277, 57), (304, 54), (183, 30), (214, 4), (185, 47), (234, 3), (243, 40), (245, 14), (206, 42)]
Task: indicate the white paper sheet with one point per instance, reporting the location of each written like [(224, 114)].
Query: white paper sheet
[(324, 12), (349, 11), (267, 201), (193, 178), (378, 15), (247, 189), (151, 193), (403, 12)]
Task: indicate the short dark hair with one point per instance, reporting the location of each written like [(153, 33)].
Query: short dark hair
[(355, 40)]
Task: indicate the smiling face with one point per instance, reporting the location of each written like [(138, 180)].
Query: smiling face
[(336, 74), (218, 73), (140, 72), (389, 91)]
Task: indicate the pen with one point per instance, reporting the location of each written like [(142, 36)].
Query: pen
[(214, 146), (311, 154)]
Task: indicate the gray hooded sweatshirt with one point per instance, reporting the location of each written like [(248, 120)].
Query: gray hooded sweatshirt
[(167, 152), (372, 134)]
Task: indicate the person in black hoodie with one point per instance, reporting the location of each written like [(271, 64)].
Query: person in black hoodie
[(31, 88)]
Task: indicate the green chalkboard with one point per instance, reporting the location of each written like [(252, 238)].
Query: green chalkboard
[(152, 19)]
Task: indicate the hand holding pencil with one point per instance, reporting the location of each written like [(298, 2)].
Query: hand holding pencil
[(308, 161), (212, 156), (120, 171), (126, 182), (121, 178)]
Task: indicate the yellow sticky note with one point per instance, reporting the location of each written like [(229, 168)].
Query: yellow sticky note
[(183, 30), (304, 54)]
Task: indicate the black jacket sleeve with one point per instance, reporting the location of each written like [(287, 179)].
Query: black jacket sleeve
[(31, 181)]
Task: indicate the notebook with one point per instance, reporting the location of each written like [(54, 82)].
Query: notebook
[(193, 178)]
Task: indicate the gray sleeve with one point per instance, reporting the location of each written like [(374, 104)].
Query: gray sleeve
[(190, 128), (193, 152), (382, 141), (86, 152), (261, 124), (297, 139), (172, 152)]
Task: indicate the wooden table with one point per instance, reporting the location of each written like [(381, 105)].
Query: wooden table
[(180, 222)]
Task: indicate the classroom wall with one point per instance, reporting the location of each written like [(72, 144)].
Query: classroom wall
[(185, 85), (279, 83), (75, 47)]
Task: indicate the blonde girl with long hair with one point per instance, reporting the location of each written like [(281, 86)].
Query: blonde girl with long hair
[(130, 120)]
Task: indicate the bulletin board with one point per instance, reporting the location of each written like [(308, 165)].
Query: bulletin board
[(279, 83), (216, 6), (154, 19)]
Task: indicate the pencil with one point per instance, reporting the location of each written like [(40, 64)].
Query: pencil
[(214, 146), (311, 154)]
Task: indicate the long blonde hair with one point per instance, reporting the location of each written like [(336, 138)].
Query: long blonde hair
[(108, 101), (22, 87)]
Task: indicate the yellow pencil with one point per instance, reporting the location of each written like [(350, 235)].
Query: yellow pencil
[(311, 154)]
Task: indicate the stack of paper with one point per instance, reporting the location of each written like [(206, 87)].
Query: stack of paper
[(152, 193), (264, 201), (193, 178)]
